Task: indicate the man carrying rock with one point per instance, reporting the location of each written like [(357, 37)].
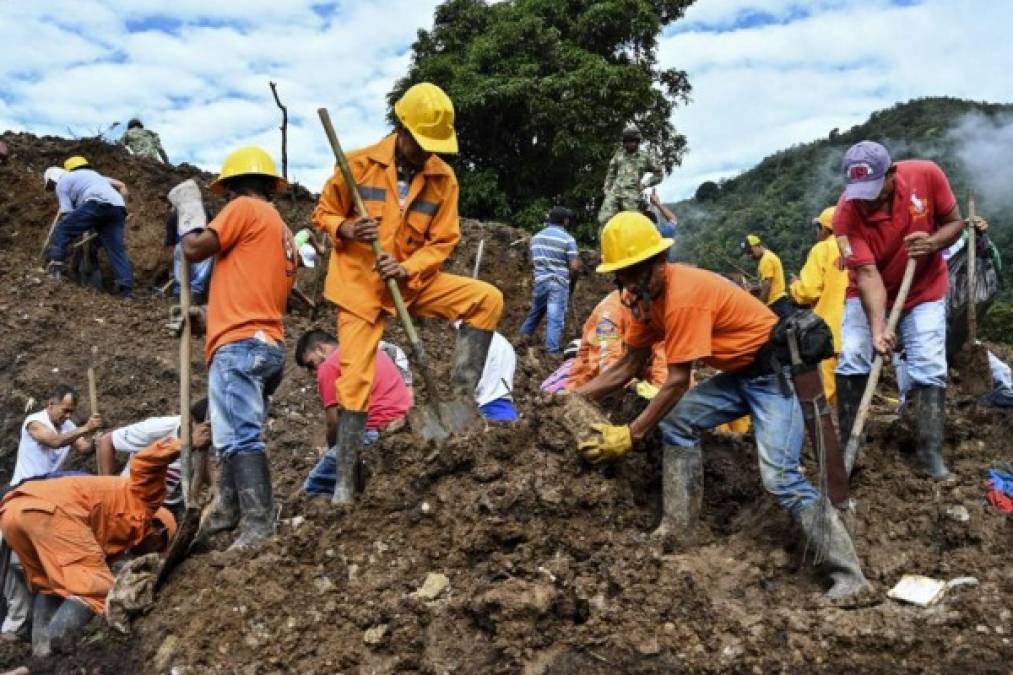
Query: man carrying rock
[(254, 270), (411, 198), (389, 400), (64, 529), (890, 212), (701, 316), (630, 172), (143, 142), (90, 201), (555, 260)]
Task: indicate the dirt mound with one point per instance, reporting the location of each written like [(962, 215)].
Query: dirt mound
[(499, 551)]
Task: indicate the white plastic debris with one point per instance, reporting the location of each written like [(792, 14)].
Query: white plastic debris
[(924, 591)]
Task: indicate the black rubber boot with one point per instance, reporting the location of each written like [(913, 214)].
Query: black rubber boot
[(930, 406), (849, 395), (224, 513), (469, 361), (834, 549), (252, 475), (351, 434), (43, 608), (68, 623), (681, 492)]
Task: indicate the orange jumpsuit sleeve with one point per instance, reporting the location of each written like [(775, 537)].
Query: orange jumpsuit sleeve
[(442, 236), (333, 207), (147, 471), (582, 369), (656, 371)]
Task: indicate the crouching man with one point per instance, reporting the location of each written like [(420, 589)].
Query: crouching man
[(63, 529), (699, 315)]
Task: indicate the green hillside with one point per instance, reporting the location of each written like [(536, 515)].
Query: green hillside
[(779, 197)]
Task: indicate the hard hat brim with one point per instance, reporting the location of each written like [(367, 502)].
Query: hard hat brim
[(663, 245), (443, 146), (218, 185)]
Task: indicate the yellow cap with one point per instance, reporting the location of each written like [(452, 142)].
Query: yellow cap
[(427, 112), (629, 238), (75, 162), (826, 217), (248, 160), (752, 240)]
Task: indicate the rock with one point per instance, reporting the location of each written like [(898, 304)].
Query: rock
[(375, 635), (323, 584), (165, 653), (426, 508), (432, 587), (958, 513), (516, 597), (649, 647)]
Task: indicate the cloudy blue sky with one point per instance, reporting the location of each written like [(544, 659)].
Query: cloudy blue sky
[(766, 74)]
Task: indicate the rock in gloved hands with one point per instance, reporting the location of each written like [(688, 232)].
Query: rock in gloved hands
[(608, 444)]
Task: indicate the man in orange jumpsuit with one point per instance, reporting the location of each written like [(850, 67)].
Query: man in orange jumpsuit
[(410, 195), (63, 529), (604, 342)]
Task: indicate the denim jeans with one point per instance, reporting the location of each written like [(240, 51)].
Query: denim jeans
[(922, 330), (324, 475), (777, 421), (549, 300), (241, 376), (200, 272), (109, 222)]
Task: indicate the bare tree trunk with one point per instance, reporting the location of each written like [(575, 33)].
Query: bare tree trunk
[(284, 131)]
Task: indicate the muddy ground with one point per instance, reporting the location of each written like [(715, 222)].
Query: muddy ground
[(548, 563)]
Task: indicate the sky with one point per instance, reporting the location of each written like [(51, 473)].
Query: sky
[(765, 74)]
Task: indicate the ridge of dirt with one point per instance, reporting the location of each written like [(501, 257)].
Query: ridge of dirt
[(550, 565)]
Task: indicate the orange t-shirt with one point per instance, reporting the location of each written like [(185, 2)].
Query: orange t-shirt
[(704, 316), (253, 274)]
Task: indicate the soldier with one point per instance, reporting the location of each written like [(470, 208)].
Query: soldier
[(630, 172), (143, 142)]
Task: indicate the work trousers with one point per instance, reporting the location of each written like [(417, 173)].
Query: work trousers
[(110, 223), (59, 553), (549, 300), (777, 421), (18, 597), (447, 296), (241, 377)]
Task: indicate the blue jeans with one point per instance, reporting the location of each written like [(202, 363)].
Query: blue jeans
[(922, 330), (777, 421), (241, 376), (109, 221), (324, 475), (549, 300), (200, 272)]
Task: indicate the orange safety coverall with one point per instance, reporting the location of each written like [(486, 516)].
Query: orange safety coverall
[(63, 529), (603, 343), (420, 234)]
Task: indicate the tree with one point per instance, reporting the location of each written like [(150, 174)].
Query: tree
[(708, 191), (542, 90)]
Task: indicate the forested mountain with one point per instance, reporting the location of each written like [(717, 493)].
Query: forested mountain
[(778, 198)]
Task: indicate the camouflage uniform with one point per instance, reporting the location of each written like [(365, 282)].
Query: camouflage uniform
[(622, 182), (144, 143)]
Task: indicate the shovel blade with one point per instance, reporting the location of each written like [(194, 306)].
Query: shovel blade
[(975, 371), (437, 422), (180, 544)]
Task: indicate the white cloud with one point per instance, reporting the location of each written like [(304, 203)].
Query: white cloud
[(758, 90)]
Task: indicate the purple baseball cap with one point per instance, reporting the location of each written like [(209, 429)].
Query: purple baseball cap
[(865, 165)]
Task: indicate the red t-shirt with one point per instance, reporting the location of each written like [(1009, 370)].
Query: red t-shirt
[(389, 400), (921, 197)]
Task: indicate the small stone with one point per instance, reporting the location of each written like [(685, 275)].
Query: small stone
[(432, 587), (980, 628), (958, 513), (649, 647), (375, 635), (297, 521), (165, 653), (353, 572), (669, 627), (426, 508), (323, 584)]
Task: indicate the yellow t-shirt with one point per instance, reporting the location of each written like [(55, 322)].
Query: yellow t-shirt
[(769, 267)]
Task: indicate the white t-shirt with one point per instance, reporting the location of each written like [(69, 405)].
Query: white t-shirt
[(35, 459), (138, 436), (498, 374)]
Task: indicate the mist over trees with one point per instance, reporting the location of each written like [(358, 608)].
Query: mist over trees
[(542, 90)]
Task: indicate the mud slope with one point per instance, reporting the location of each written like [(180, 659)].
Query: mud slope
[(549, 563)]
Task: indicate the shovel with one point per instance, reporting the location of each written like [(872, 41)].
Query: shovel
[(976, 374), (877, 364), (192, 461), (435, 420)]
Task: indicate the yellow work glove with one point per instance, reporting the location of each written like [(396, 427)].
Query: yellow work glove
[(612, 443), (646, 390)]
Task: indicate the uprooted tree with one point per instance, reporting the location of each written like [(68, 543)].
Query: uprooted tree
[(542, 90)]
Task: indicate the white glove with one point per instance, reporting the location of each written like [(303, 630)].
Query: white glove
[(186, 199), (646, 180)]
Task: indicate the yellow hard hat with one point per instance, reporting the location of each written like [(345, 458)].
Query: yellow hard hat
[(248, 160), (75, 162), (752, 240), (826, 217), (427, 112), (629, 238)]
